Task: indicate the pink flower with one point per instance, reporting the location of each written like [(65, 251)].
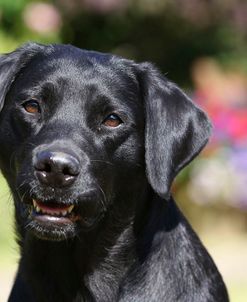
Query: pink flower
[(42, 17)]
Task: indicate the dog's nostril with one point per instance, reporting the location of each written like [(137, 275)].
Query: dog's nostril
[(70, 171), (66, 171), (47, 168), (56, 168)]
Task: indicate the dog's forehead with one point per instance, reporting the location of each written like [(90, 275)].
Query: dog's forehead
[(76, 64), (68, 69)]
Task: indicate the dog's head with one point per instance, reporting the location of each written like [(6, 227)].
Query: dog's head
[(82, 131)]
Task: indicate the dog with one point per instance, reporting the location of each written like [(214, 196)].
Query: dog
[(90, 145)]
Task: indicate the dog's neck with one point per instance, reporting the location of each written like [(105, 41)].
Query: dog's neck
[(112, 256)]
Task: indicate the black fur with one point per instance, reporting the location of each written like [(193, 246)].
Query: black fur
[(131, 243)]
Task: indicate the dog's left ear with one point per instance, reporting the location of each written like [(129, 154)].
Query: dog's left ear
[(176, 129), (12, 63)]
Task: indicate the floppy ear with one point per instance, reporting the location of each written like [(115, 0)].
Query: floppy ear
[(12, 63), (176, 129)]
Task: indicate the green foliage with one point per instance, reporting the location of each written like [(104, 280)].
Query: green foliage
[(11, 15), (12, 7)]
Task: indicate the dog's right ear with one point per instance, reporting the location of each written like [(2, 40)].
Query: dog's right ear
[(12, 63)]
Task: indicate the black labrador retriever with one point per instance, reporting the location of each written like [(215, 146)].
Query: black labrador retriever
[(90, 144)]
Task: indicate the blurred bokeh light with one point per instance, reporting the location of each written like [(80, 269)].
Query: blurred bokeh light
[(42, 18)]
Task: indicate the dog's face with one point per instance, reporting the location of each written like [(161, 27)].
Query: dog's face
[(81, 131)]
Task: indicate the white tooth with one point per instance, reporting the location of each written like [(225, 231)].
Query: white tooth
[(70, 209), (50, 212), (64, 213), (37, 209)]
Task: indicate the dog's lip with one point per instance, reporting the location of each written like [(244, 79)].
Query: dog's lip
[(53, 219)]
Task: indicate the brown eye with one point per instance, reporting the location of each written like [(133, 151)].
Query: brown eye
[(113, 121), (32, 106)]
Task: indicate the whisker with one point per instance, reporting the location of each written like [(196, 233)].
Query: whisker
[(31, 144), (21, 185), (103, 202), (23, 196), (102, 161)]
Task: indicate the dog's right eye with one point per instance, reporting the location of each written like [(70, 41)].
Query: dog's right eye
[(112, 121), (32, 106)]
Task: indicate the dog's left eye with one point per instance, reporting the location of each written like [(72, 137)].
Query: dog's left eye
[(112, 120), (32, 106)]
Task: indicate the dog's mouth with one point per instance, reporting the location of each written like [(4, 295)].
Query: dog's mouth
[(54, 212), (58, 219)]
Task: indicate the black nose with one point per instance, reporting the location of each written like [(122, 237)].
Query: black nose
[(56, 169)]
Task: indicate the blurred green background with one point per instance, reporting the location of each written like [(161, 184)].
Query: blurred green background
[(199, 44)]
